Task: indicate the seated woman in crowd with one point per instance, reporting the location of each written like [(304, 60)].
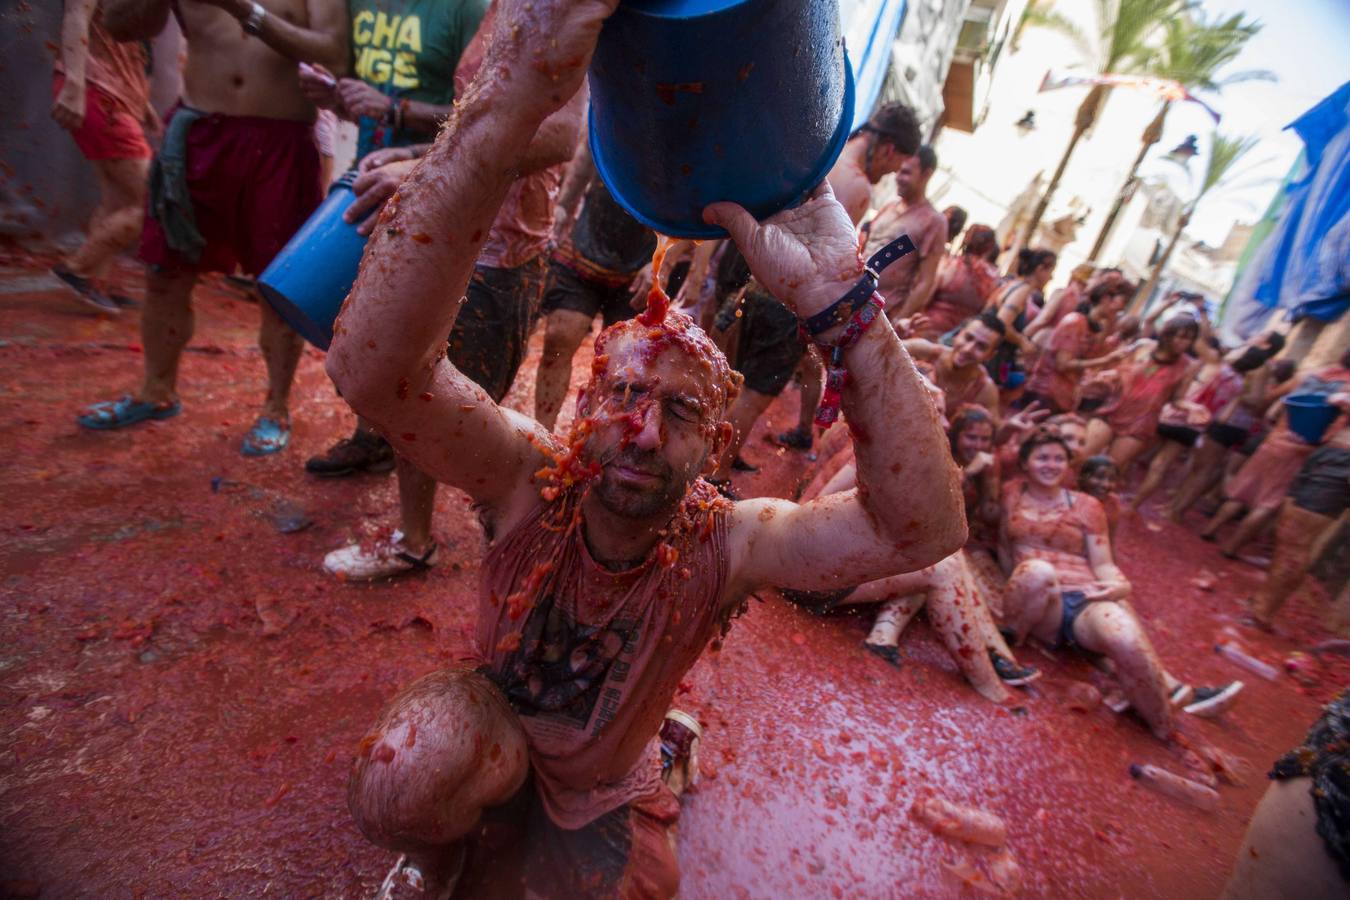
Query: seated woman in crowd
[(1153, 375), (1066, 591), (1077, 345), (972, 441), (1061, 303), (964, 283), (1017, 302), (1098, 477)]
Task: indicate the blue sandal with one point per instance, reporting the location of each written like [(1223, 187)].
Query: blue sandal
[(265, 437), (125, 410)]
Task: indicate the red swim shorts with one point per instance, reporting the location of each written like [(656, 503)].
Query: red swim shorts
[(109, 131), (253, 182)]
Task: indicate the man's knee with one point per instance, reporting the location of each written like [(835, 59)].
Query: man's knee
[(443, 750), (563, 333), (169, 289)]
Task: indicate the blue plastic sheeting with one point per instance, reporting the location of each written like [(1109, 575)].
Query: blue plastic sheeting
[(1305, 264), (870, 27)]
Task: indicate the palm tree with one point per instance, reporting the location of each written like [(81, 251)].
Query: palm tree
[(1043, 14), (1192, 52), (1124, 43), (1224, 153)]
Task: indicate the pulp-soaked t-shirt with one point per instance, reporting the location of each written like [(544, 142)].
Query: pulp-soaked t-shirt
[(408, 50), (1072, 336), (608, 236), (1146, 386), (1057, 536), (590, 658)]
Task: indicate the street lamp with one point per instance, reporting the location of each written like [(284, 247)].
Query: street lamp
[(1184, 152)]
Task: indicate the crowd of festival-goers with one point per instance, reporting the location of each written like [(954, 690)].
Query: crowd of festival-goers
[(1064, 412)]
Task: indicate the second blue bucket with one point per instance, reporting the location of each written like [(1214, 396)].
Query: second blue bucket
[(695, 101), (1310, 415), (308, 280)]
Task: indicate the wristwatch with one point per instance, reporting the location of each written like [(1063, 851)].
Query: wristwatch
[(254, 22)]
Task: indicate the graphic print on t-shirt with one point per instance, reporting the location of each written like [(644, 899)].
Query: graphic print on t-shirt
[(564, 669)]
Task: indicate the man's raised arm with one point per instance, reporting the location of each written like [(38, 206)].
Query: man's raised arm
[(907, 511), (387, 356)]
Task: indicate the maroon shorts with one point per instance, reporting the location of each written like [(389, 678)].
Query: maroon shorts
[(627, 853), (108, 131), (253, 181)]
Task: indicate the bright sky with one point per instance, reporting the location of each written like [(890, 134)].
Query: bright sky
[(1306, 43)]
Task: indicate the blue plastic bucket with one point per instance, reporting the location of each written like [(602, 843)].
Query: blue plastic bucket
[(1309, 415), (311, 276), (695, 101)]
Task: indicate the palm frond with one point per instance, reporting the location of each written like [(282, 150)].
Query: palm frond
[(1129, 40), (1043, 15), (1225, 152), (1193, 49)]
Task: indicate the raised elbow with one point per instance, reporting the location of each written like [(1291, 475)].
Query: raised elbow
[(951, 537), (943, 534), (350, 380)]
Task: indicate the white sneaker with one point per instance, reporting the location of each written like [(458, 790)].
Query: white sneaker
[(1210, 702), (1182, 695), (385, 558)]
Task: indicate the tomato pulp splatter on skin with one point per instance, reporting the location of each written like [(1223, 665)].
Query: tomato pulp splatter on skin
[(658, 301)]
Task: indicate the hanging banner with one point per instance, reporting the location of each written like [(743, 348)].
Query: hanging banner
[(1162, 88)]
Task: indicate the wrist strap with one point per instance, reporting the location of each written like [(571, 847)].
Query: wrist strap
[(853, 301), (836, 376), (256, 14)]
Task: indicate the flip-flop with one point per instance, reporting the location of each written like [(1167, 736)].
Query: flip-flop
[(125, 410), (266, 436)]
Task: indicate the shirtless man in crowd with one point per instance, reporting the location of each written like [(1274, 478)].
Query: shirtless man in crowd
[(609, 549), (959, 369), (909, 283), (240, 174)]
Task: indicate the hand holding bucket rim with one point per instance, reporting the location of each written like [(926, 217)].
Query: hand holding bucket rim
[(805, 280)]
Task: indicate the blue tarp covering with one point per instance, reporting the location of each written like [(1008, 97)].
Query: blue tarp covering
[(1304, 266), (870, 27)]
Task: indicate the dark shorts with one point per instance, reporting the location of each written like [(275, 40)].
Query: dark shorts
[(1072, 604), (1182, 434), (1091, 404), (1321, 486), (771, 344), (490, 336), (108, 130), (566, 289), (624, 853), (1045, 400), (1228, 436), (253, 182), (1324, 759), (818, 602), (1253, 443)]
